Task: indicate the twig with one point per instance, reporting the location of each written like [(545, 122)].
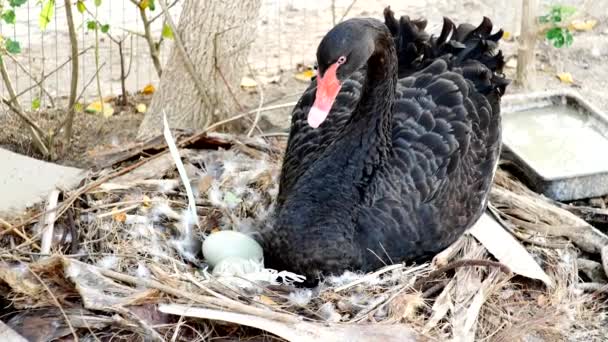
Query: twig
[(525, 55), (605, 259), (347, 10), (17, 110), (376, 274), (333, 12), (11, 229), (86, 86), (242, 115), (593, 287), (198, 82), (74, 76), (150, 333), (180, 293), (39, 82), (154, 53), (33, 78), (49, 222), (65, 316), (15, 106), (457, 264), (259, 110), (161, 14)]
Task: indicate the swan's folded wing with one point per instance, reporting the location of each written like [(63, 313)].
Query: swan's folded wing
[(446, 141), (306, 143)]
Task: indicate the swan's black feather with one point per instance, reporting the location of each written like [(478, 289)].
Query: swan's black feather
[(445, 143)]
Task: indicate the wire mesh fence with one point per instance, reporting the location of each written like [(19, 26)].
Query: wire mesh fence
[(288, 32)]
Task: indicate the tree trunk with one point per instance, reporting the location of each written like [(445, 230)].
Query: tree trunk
[(216, 36)]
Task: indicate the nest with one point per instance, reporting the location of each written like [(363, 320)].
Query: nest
[(110, 260)]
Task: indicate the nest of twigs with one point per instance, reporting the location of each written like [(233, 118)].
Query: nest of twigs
[(108, 261)]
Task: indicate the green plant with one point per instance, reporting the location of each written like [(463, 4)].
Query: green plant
[(558, 34)]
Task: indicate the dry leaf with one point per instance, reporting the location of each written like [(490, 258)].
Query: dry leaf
[(146, 201), (149, 89), (267, 300), (511, 63), (507, 249), (141, 108), (305, 75), (565, 77), (583, 25), (204, 184), (119, 217), (248, 82), (96, 108)]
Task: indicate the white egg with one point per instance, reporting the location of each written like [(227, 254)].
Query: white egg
[(230, 244)]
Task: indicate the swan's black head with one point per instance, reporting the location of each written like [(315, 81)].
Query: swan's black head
[(343, 50)]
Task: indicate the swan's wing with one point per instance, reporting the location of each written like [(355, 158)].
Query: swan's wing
[(446, 141), (305, 143)]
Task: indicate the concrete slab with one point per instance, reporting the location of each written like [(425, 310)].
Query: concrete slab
[(25, 181)]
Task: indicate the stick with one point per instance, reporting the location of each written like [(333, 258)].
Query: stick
[(74, 76), (49, 220), (259, 110), (525, 55)]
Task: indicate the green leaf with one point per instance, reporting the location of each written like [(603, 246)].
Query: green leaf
[(46, 14), (167, 32), (105, 28), (16, 3), (92, 25), (12, 46), (36, 103), (81, 6), (556, 37), (97, 3), (151, 5), (9, 16), (568, 37)]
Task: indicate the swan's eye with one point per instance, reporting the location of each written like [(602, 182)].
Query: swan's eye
[(341, 60)]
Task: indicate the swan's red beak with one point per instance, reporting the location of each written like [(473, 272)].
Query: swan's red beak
[(328, 88)]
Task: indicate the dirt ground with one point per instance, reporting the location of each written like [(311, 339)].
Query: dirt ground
[(586, 60)]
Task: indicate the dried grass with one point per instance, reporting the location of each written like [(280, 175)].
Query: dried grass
[(118, 254)]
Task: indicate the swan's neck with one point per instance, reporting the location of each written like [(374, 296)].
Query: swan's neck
[(371, 123), (349, 165)]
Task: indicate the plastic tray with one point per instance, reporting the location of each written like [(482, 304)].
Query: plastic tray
[(559, 142)]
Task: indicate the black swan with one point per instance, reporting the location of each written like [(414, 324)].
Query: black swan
[(392, 148)]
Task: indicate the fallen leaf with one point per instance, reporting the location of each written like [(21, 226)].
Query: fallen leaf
[(248, 82), (583, 25), (507, 249), (565, 77), (119, 217), (141, 108), (204, 184), (78, 107), (511, 63), (96, 108), (267, 300), (147, 202), (305, 75), (149, 89)]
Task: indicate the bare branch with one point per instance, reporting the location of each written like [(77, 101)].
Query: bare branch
[(74, 76)]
